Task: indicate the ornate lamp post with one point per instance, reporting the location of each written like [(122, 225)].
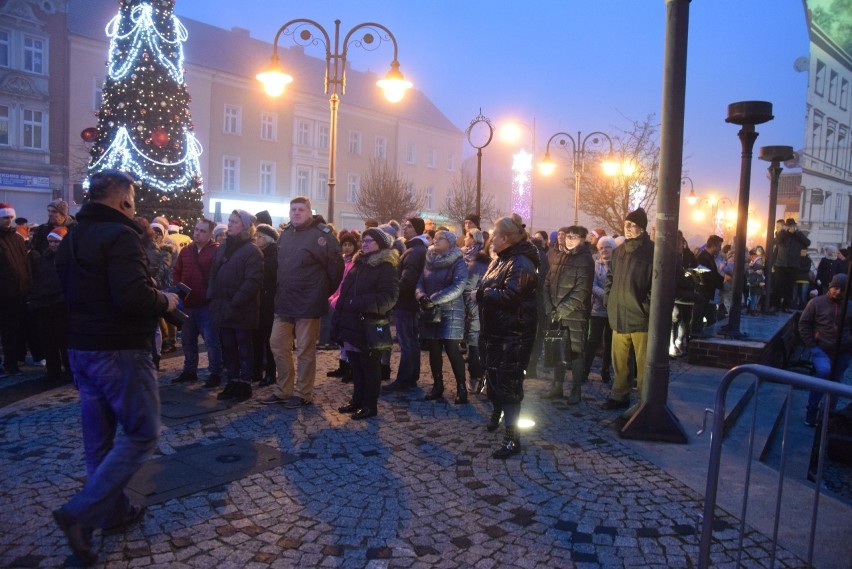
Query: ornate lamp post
[(578, 152), (747, 114), (774, 155), (275, 80), (479, 134)]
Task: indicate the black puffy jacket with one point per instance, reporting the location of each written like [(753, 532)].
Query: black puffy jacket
[(371, 288), (507, 294), (105, 279)]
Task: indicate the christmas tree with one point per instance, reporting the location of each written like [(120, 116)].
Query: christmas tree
[(144, 124)]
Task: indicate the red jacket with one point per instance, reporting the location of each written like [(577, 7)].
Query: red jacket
[(192, 268)]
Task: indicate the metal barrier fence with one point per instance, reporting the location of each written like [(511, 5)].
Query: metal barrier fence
[(833, 391)]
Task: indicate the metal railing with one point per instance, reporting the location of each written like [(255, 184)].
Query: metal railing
[(832, 390)]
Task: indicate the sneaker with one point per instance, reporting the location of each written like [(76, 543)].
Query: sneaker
[(40, 363), (79, 537), (295, 402), (272, 400), (186, 377)]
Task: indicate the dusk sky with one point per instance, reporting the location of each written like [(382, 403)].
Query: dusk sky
[(576, 65)]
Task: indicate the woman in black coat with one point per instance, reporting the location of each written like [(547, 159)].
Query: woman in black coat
[(236, 278), (568, 299), (370, 290), (507, 298)]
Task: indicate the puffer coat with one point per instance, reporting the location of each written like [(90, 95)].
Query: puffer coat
[(568, 293), (507, 298), (477, 264), (236, 278), (370, 288), (442, 280)]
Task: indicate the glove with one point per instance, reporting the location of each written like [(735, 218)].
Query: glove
[(426, 303)]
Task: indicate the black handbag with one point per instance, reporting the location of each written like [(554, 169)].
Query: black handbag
[(554, 345), (378, 333), (431, 316)]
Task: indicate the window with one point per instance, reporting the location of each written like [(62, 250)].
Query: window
[(451, 161), (816, 135), (267, 178), (433, 158), (233, 118), (4, 48), (844, 94), (832, 87), (303, 181), (819, 78), (830, 146), (429, 198), (34, 55), (411, 153), (230, 174), (354, 142), (4, 125), (98, 95), (303, 132), (322, 186), (268, 126), (322, 137), (353, 187), (842, 141), (33, 129), (381, 151)]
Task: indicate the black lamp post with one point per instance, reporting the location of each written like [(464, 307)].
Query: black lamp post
[(747, 114), (479, 134)]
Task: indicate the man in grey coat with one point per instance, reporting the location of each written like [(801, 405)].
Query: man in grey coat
[(310, 267)]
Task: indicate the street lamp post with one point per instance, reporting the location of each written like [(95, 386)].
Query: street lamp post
[(275, 80), (479, 134), (774, 155), (747, 114), (578, 152)]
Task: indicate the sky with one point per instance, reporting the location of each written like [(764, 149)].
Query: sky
[(577, 65)]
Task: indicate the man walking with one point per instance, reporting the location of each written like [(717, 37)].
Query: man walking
[(310, 267), (405, 312), (628, 307), (114, 309), (192, 268)]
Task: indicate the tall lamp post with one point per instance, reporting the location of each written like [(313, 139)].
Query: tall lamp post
[(479, 134), (774, 155), (304, 32), (578, 152)]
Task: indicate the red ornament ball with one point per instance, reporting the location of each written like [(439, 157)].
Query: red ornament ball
[(89, 134), (160, 137)]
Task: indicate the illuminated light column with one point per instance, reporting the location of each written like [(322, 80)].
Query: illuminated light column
[(522, 184)]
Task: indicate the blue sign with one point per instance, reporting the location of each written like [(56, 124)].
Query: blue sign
[(24, 181)]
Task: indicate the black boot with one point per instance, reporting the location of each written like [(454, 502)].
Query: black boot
[(511, 444), (461, 393), (229, 392), (494, 421), (242, 392), (342, 368), (437, 391)]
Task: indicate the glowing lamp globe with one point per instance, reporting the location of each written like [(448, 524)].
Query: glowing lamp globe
[(394, 84), (274, 79)]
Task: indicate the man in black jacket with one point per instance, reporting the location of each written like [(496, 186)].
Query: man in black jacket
[(628, 307), (710, 278), (405, 312), (15, 284), (788, 245), (114, 310)]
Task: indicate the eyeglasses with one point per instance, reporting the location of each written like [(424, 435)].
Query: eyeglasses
[(367, 240), (572, 237)]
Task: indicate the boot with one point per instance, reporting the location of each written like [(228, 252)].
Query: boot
[(213, 380), (342, 368), (242, 392), (575, 396), (347, 375), (461, 393), (229, 392), (555, 391), (437, 391), (494, 420), (386, 372), (511, 444)]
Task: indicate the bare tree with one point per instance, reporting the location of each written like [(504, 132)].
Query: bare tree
[(461, 200), (385, 194), (608, 198)]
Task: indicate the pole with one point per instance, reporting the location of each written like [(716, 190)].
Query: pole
[(333, 103), (654, 420), (578, 175), (478, 182)]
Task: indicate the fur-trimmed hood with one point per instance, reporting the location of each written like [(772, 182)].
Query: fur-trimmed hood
[(390, 256), (440, 260)]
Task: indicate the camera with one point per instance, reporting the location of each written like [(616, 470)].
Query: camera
[(177, 316)]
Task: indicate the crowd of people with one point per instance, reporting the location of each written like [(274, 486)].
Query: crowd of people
[(104, 295)]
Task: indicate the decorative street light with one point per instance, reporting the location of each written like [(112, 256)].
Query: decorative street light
[(479, 134), (523, 173), (275, 79), (578, 151), (717, 208)]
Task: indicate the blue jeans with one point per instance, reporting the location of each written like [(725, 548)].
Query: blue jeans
[(200, 321), (409, 346), (117, 387), (822, 369)]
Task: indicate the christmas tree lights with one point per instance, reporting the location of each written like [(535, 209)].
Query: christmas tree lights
[(144, 123)]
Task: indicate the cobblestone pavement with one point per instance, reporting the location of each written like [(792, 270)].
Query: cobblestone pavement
[(415, 487)]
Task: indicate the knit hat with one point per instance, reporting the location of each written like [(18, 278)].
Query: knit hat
[(639, 217), (382, 239), (6, 210), (395, 224), (247, 218), (389, 229), (599, 232), (347, 237), (263, 217), (60, 205), (159, 226), (838, 280), (554, 235), (448, 235), (219, 229), (418, 224), (472, 217), (268, 230), (58, 233)]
